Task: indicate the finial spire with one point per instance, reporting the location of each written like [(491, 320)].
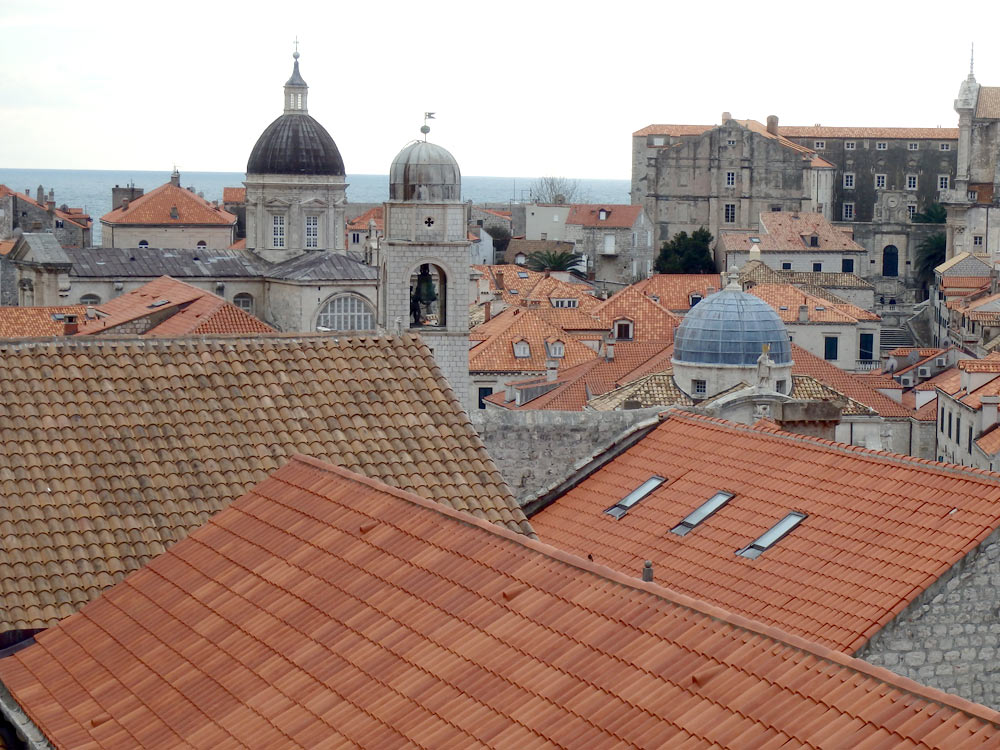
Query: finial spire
[(425, 128), (972, 60)]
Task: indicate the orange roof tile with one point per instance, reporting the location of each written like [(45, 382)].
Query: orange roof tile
[(859, 557), (360, 223), (651, 320), (157, 207), (326, 609), (922, 353), (173, 308), (240, 244), (517, 285), (819, 131), (847, 383), (948, 381), (927, 412), (124, 445), (674, 290), (989, 441), (6, 246), (987, 364), (72, 215), (784, 231), (28, 322), (988, 103), (496, 353), (234, 195), (673, 130), (616, 216), (964, 282), (786, 300)]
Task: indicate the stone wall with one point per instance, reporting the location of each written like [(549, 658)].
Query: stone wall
[(949, 637), (536, 449)]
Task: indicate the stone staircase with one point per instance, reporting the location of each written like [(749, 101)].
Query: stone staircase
[(893, 338)]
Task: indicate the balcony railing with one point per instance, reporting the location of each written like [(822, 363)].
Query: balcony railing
[(867, 365)]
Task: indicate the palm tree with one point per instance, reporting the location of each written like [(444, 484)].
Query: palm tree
[(933, 214), (930, 254), (551, 260)]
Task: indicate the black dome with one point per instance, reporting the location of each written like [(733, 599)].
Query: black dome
[(295, 144)]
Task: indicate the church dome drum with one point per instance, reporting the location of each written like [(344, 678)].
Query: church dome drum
[(730, 328), (425, 172)]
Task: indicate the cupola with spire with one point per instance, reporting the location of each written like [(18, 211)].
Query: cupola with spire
[(296, 91)]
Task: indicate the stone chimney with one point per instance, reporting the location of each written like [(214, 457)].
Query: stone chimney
[(772, 124), (803, 313), (989, 406), (609, 349), (50, 206), (124, 204), (40, 195), (726, 117), (70, 326), (500, 280), (488, 310), (175, 178), (511, 393), (551, 370)]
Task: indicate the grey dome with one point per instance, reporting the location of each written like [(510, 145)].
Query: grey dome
[(295, 144), (729, 328), (425, 172)]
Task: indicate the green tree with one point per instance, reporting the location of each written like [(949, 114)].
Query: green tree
[(550, 260), (930, 254), (933, 214), (687, 254), (501, 238)]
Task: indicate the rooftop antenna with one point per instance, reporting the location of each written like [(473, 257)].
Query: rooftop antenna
[(425, 128), (296, 53), (972, 59)]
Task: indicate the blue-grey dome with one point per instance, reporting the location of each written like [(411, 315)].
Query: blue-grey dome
[(729, 328), (425, 172)]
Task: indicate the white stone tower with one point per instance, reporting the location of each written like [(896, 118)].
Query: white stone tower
[(295, 183), (424, 268)]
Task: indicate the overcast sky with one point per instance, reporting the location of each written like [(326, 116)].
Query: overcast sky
[(519, 88)]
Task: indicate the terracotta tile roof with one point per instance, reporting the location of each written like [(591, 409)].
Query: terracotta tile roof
[(879, 527), (948, 381), (965, 282), (847, 383), (325, 609), (190, 311), (518, 285), (904, 351), (674, 290), (501, 214), (360, 223), (6, 246), (818, 131), (496, 353), (784, 231), (30, 322), (234, 195), (988, 103), (73, 215), (927, 412), (616, 216), (240, 244), (786, 299), (651, 320), (983, 192), (988, 364), (111, 449), (989, 442), (157, 207), (758, 272), (673, 130)]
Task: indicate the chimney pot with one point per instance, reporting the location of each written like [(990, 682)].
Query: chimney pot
[(647, 570), (70, 328), (772, 124)]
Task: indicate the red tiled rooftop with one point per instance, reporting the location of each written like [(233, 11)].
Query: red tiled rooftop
[(6, 246), (361, 222), (652, 321), (28, 322), (786, 300), (879, 528), (324, 609), (783, 231), (615, 216), (820, 131), (847, 383), (674, 290), (989, 442), (73, 215), (234, 195), (157, 207), (496, 353)]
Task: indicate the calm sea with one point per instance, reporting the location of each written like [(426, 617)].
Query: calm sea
[(91, 189)]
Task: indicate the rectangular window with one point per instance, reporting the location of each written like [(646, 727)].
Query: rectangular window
[(880, 181), (958, 430), (970, 438), (830, 348), (702, 512), (819, 145), (911, 182), (623, 506), (772, 536), (278, 231), (949, 424), (848, 145), (866, 346), (483, 393), (730, 179), (912, 146), (977, 240), (848, 212), (817, 267), (312, 231), (942, 421), (945, 146), (730, 142), (700, 387), (881, 145), (911, 209), (730, 213), (658, 140), (847, 265), (849, 180), (943, 182), (786, 266)]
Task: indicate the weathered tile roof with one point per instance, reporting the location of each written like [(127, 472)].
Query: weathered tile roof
[(6, 246), (651, 320), (988, 103), (113, 448), (496, 353), (29, 322), (191, 311), (673, 130), (989, 442), (518, 285), (616, 216), (153, 262), (674, 290), (879, 528), (74, 215), (948, 381), (786, 300), (819, 131), (963, 264), (791, 232), (847, 383), (964, 282), (169, 204), (325, 609), (360, 223), (324, 266), (758, 272), (234, 195), (905, 351)]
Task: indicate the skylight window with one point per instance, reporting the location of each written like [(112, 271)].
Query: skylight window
[(702, 512), (522, 274), (770, 537), (623, 506), (159, 303)]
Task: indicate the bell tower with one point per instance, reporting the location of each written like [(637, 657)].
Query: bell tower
[(424, 264)]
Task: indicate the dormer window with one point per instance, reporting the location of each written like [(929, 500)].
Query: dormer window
[(557, 349), (143, 243), (623, 330), (602, 215), (520, 259), (564, 302), (813, 240), (522, 349), (694, 299)]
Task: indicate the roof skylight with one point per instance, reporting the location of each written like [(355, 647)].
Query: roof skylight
[(772, 535), (702, 512), (522, 274), (623, 506)]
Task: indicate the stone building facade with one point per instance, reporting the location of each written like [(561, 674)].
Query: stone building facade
[(19, 213), (616, 240)]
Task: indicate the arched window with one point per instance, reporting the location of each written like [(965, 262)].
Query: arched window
[(346, 312), (202, 243), (143, 243), (90, 300), (244, 301), (890, 261), (428, 289), (520, 259)]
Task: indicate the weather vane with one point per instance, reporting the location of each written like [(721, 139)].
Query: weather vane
[(296, 46), (425, 128)]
